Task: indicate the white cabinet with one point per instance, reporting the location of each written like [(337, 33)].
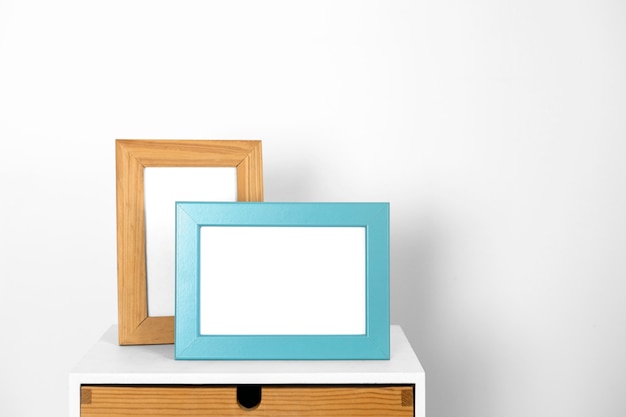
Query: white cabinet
[(113, 380)]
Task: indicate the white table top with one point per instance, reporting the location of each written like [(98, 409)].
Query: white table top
[(109, 363)]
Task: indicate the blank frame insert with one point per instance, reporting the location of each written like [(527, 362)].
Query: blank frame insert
[(282, 280), (163, 186)]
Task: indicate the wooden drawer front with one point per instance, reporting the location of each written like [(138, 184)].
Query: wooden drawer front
[(276, 401)]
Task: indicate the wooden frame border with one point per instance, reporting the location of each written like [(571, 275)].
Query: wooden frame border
[(135, 326), (190, 344)]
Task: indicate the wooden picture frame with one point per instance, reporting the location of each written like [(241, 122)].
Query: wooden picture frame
[(233, 303), (136, 327)]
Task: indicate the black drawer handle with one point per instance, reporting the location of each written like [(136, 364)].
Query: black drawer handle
[(249, 396)]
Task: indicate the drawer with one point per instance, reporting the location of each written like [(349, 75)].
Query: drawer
[(250, 401)]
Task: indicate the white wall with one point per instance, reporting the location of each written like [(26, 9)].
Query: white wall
[(496, 130)]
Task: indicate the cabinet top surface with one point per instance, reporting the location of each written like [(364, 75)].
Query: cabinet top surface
[(109, 363)]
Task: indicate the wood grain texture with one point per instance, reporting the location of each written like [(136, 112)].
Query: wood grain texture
[(276, 401), (132, 156)]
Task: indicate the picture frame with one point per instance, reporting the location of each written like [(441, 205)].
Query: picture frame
[(133, 156), (233, 303)]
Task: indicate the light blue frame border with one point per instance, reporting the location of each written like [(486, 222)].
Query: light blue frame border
[(190, 344)]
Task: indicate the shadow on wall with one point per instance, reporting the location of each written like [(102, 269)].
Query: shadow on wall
[(420, 282), (289, 181)]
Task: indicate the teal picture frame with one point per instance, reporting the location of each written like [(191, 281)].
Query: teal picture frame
[(192, 218)]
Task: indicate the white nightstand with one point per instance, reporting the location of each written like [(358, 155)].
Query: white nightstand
[(113, 380)]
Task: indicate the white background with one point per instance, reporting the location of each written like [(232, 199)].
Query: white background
[(496, 130)]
